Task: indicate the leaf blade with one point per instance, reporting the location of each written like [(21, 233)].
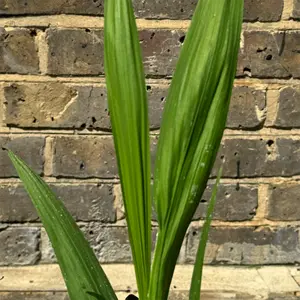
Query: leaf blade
[(82, 273), (193, 124), (127, 101), (198, 267)]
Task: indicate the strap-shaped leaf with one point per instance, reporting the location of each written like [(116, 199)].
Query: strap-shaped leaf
[(198, 268), (192, 127), (82, 273), (128, 107)]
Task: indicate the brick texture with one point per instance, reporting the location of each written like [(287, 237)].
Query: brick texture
[(296, 9), (54, 115), (87, 157), (288, 114), (110, 244), (248, 245), (19, 246), (77, 106), (258, 157), (86, 202), (255, 10), (265, 54), (32, 153), (16, 59), (283, 202), (234, 203)]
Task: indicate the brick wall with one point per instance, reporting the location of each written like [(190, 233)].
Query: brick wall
[(54, 115)]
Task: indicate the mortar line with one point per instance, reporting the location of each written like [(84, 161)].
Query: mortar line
[(264, 133), (194, 224), (97, 22), (116, 181), (48, 156), (42, 51), (163, 81), (287, 10)]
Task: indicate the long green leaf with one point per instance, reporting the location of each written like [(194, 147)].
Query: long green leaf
[(192, 127), (82, 273), (198, 268), (127, 101)]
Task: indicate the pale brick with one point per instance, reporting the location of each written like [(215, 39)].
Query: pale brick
[(19, 246)]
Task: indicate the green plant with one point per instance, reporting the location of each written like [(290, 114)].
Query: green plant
[(192, 127)]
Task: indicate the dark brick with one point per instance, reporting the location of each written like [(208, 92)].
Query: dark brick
[(248, 245), (263, 51), (255, 10), (283, 202), (258, 158), (111, 244), (19, 246), (86, 157), (34, 296), (271, 54), (80, 52), (28, 148), (247, 108), (243, 158), (288, 115), (57, 105), (296, 9), (169, 9), (263, 10), (18, 52), (75, 52), (287, 161), (234, 203), (86, 202), (265, 54)]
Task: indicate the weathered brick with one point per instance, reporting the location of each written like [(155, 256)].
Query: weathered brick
[(85, 157), (234, 203), (34, 296), (110, 244), (296, 9), (169, 9), (247, 108), (287, 158), (86, 202), (29, 148), (57, 105), (263, 10), (75, 52), (263, 52), (18, 52), (19, 246), (94, 156), (243, 158), (248, 245), (255, 10), (283, 202), (80, 52), (271, 54), (288, 113), (260, 157), (31, 7)]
